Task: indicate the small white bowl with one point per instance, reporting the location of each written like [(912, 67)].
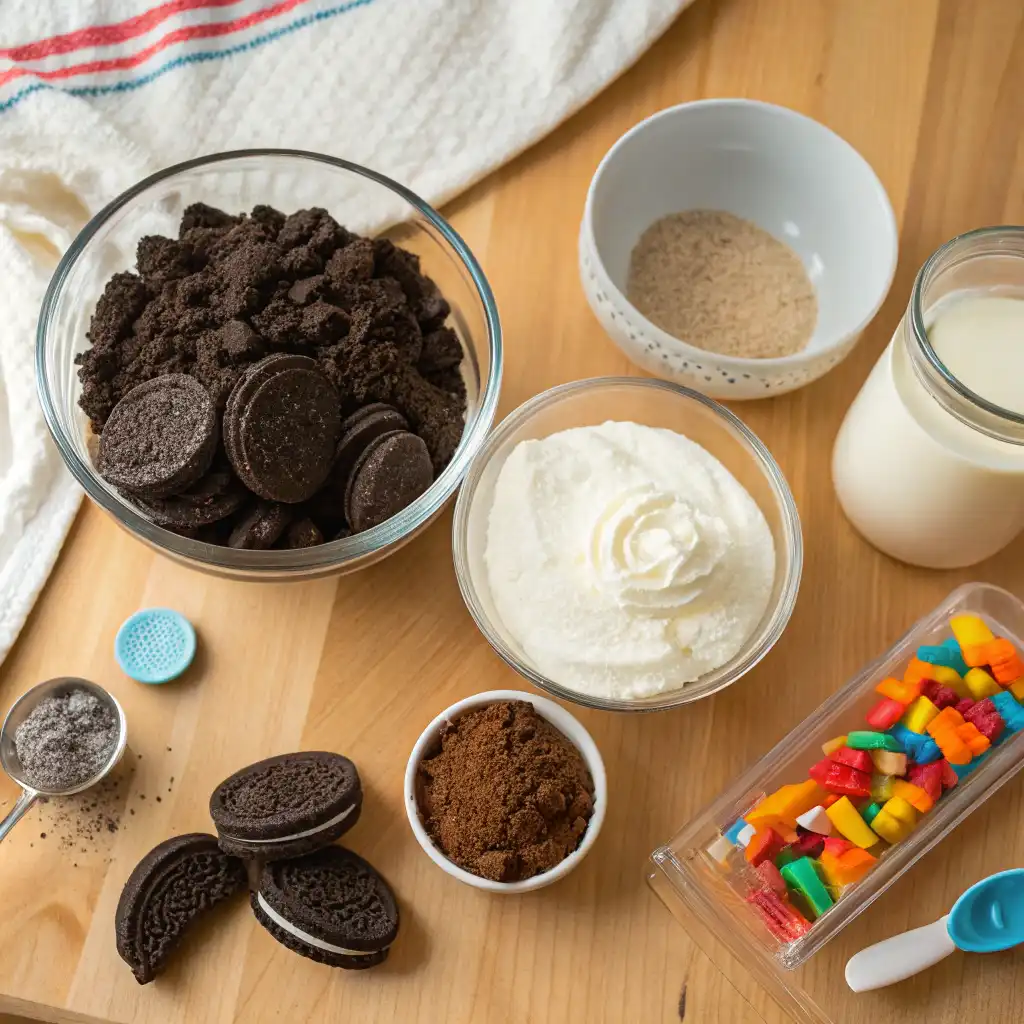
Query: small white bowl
[(561, 720), (790, 175)]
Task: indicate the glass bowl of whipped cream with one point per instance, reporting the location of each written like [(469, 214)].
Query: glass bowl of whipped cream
[(627, 544)]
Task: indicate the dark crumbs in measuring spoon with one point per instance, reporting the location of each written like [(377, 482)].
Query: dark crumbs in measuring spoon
[(66, 740)]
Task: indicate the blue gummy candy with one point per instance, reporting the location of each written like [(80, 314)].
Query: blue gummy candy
[(920, 749), (1010, 711), (958, 659), (734, 830), (939, 655)]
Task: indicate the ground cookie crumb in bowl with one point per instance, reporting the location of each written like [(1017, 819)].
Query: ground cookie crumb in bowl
[(508, 796)]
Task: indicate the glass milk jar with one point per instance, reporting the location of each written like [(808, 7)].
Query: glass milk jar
[(929, 462)]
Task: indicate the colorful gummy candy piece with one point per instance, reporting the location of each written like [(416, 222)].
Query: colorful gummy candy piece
[(949, 776), (1017, 689), (816, 820), (785, 805), (847, 867), (834, 744), (895, 821), (885, 713), (986, 719), (970, 631), (840, 778), (944, 729), (764, 846), (919, 714), (974, 739), (1010, 711), (850, 824), (859, 759), (920, 749), (837, 846), (810, 844), (720, 849), (785, 856), (771, 877), (899, 691), (868, 813), (830, 800), (1004, 661), (928, 777), (732, 833), (745, 835), (916, 796), (940, 695), (964, 705), (780, 918), (881, 787), (940, 654), (980, 683), (917, 671), (888, 763), (802, 877), (866, 740), (957, 659)]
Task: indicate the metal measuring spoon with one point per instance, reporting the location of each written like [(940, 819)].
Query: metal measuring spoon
[(23, 707)]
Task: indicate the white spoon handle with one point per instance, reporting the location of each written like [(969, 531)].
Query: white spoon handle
[(897, 958)]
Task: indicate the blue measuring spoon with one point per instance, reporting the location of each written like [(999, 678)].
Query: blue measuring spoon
[(988, 917)]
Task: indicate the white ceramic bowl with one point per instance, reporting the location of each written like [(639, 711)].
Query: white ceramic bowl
[(790, 175), (561, 720)]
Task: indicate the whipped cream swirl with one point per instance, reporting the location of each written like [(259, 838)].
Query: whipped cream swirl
[(652, 551), (625, 560)]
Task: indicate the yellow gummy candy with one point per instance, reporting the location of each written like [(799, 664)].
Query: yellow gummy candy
[(919, 714), (831, 746), (1017, 689), (981, 684), (950, 677), (881, 788), (850, 824), (902, 810), (889, 828), (969, 630)]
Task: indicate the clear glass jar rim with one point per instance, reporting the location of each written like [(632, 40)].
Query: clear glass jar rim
[(935, 372), (332, 555)]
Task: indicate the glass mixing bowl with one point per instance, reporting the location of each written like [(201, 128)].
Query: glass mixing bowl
[(361, 200), (654, 403)]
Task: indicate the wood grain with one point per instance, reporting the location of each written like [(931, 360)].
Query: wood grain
[(932, 93)]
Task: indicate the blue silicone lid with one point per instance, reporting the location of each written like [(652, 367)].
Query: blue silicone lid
[(155, 645)]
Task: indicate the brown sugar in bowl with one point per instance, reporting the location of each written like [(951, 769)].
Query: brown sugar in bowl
[(565, 723)]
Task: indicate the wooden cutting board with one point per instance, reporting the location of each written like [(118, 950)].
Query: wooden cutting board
[(932, 93)]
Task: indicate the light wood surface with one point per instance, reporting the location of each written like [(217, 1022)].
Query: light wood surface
[(932, 93)]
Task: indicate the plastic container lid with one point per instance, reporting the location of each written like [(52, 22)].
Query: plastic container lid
[(155, 645)]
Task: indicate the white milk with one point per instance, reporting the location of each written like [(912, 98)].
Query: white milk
[(915, 481)]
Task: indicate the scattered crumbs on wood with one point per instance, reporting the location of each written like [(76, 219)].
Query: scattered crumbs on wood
[(682, 1004), (142, 796), (168, 750), (42, 835), (140, 757), (159, 799), (131, 810)]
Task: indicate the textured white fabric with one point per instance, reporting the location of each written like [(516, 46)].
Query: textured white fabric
[(434, 93)]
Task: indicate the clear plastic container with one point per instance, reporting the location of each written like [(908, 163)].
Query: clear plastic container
[(707, 896)]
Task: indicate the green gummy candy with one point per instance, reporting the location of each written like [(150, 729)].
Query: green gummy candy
[(869, 812), (801, 876), (784, 856), (865, 740)]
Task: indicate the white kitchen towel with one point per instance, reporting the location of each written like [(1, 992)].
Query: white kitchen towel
[(96, 93)]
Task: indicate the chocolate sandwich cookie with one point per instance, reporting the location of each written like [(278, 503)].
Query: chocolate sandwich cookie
[(302, 534), (330, 906), (261, 527), (392, 472), (160, 438), (171, 886), (216, 496), (287, 806), (281, 428), (362, 427)]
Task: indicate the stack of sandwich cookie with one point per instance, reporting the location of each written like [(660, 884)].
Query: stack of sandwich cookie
[(276, 821)]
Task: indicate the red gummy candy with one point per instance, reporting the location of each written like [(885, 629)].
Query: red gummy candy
[(836, 846), (859, 759), (885, 714), (986, 719), (765, 844), (964, 705), (781, 919), (941, 696), (772, 877), (841, 778), (949, 777), (928, 777), (809, 844)]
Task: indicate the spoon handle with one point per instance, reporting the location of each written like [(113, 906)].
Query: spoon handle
[(897, 958), (22, 804)]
